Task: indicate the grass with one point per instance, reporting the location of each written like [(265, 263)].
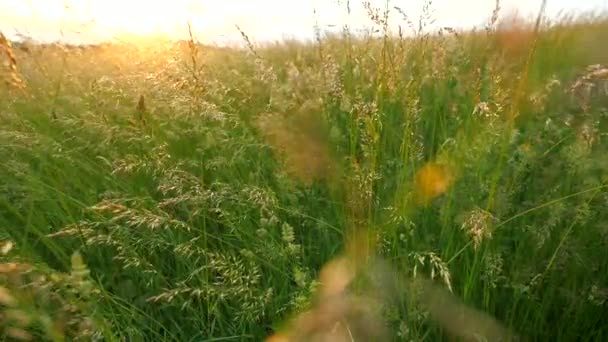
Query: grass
[(385, 187)]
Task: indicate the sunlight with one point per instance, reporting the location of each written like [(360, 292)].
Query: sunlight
[(103, 17), (213, 20), (139, 17)]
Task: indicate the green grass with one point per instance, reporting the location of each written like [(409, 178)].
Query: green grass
[(208, 214)]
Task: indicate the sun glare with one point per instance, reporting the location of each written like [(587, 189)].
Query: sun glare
[(107, 18), (211, 20), (215, 20), (139, 17)]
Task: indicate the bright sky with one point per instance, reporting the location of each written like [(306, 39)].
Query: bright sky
[(215, 20)]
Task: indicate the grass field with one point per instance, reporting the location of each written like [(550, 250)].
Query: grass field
[(451, 186)]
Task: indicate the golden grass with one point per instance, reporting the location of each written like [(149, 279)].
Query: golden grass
[(12, 78)]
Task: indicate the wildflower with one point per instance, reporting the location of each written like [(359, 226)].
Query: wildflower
[(432, 180)]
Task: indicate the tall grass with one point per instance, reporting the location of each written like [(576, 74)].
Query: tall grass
[(357, 187)]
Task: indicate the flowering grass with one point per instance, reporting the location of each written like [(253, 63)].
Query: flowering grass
[(437, 186)]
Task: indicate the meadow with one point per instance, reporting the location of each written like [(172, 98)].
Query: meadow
[(405, 186)]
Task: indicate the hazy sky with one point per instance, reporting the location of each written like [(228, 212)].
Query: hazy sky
[(214, 20)]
